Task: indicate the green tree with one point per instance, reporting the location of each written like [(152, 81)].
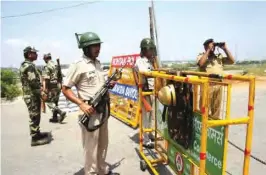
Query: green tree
[(9, 84)]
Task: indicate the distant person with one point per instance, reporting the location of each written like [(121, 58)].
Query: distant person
[(52, 88), (88, 77), (145, 64), (31, 86), (212, 63)]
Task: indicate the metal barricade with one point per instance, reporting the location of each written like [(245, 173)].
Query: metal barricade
[(211, 119)]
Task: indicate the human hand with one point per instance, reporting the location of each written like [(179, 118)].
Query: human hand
[(224, 47), (210, 47), (112, 84), (44, 96), (87, 109)]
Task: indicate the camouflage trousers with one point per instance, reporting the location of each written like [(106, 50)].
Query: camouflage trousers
[(53, 98), (34, 107)]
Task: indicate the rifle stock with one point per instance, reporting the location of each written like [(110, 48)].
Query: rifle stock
[(146, 105), (43, 106), (59, 72)]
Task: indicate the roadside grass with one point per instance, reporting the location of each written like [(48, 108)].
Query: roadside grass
[(258, 69), (251, 69)]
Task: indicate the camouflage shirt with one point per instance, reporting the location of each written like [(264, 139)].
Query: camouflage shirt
[(30, 79), (50, 72)]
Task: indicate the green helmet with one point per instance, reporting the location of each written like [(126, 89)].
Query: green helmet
[(147, 43), (87, 39), (29, 49), (47, 55)]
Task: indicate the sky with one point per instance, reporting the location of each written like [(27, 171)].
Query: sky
[(121, 25)]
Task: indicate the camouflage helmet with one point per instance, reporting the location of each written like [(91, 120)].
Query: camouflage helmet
[(167, 95), (147, 43), (47, 55), (87, 39), (30, 49)]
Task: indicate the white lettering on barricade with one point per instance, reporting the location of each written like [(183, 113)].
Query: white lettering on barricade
[(126, 91), (131, 92), (119, 89), (210, 157), (119, 61), (213, 134)]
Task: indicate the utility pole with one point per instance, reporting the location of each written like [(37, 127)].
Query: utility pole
[(151, 24), (153, 29)]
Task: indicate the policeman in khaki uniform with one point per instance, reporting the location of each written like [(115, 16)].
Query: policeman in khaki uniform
[(145, 64), (88, 77), (213, 63), (31, 86), (52, 88)]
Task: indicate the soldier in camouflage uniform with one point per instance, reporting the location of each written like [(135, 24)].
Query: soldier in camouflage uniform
[(52, 88), (31, 86)]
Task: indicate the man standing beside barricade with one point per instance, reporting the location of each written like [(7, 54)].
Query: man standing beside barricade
[(31, 86), (88, 78), (52, 88), (213, 63), (145, 64)]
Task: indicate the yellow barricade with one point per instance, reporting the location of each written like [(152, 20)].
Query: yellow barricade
[(124, 95), (207, 151)]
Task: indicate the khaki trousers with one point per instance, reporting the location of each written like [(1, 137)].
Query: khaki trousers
[(95, 146), (147, 118), (214, 101)]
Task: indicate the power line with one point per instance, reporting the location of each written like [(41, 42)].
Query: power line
[(50, 10)]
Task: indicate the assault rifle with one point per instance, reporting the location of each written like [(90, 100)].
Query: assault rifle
[(99, 102), (59, 73)]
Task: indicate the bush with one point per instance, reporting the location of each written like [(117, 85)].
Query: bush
[(12, 91), (9, 87)]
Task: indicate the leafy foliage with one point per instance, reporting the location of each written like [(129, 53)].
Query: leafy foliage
[(9, 84)]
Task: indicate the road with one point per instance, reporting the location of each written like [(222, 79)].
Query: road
[(64, 156)]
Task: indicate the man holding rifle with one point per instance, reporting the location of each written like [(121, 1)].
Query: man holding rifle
[(52, 88), (88, 78), (145, 64), (213, 63)]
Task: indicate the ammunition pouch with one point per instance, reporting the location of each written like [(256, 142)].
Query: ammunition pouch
[(180, 116)]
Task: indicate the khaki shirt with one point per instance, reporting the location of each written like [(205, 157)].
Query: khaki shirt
[(213, 64), (87, 76), (142, 64)]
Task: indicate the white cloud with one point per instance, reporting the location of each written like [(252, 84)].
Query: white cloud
[(16, 42)]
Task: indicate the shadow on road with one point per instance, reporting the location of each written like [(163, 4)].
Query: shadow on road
[(112, 167), (135, 138)]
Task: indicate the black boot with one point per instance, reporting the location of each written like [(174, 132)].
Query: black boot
[(54, 117), (112, 173), (40, 139), (151, 137), (62, 115)]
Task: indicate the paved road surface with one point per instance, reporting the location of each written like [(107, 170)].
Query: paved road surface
[(64, 155)]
